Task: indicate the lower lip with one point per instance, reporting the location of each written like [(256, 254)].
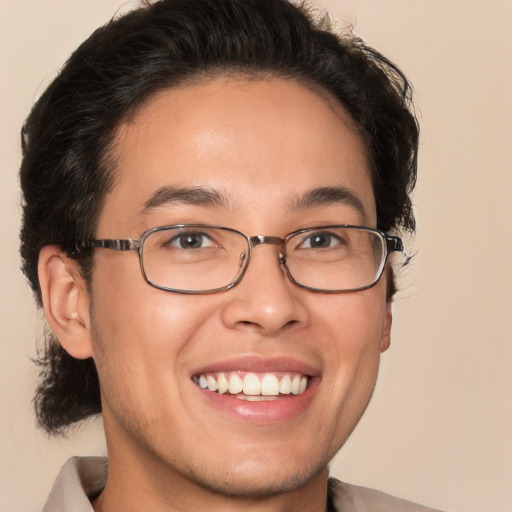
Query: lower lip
[(265, 412)]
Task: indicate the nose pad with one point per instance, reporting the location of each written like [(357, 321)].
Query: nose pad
[(286, 270), (265, 299), (242, 263), (241, 260)]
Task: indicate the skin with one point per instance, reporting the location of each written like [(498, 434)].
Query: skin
[(262, 145)]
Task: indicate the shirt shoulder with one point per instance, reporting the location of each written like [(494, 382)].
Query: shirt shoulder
[(353, 498), (79, 479)]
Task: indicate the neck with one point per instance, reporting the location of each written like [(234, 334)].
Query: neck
[(134, 485)]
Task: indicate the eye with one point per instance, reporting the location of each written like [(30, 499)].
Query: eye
[(321, 240), (191, 240)]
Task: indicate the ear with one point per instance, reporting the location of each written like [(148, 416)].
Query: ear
[(385, 340), (65, 301)]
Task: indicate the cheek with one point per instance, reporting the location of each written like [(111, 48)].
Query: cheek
[(135, 325), (143, 340), (353, 325), (145, 324), (355, 321)]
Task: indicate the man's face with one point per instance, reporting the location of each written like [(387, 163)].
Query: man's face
[(261, 146)]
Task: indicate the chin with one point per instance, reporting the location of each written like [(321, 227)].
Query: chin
[(251, 479)]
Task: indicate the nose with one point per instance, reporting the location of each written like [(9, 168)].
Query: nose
[(265, 300)]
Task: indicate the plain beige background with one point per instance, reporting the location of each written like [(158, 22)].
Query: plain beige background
[(439, 429)]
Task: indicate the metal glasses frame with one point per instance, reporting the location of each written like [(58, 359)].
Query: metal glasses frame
[(391, 244)]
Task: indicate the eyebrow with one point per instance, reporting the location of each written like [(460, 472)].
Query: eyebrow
[(326, 196), (171, 195), (204, 196)]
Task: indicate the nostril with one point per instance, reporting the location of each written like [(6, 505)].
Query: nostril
[(291, 323)]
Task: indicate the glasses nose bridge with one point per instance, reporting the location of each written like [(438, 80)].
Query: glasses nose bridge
[(262, 239), (269, 240)]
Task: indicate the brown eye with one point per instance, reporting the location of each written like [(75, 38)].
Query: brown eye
[(191, 241), (320, 240)]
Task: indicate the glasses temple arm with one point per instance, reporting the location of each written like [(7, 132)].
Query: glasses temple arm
[(394, 243), (114, 244)]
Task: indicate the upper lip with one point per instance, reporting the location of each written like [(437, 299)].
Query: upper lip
[(258, 364)]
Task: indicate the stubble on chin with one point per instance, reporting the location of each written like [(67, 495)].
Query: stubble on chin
[(242, 484)]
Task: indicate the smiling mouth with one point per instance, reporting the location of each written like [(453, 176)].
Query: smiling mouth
[(252, 386)]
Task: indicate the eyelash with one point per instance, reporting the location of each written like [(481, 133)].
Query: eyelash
[(332, 237), (173, 242)]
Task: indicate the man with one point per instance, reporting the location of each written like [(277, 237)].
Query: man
[(210, 191)]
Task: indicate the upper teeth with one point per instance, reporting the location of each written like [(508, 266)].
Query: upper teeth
[(252, 384)]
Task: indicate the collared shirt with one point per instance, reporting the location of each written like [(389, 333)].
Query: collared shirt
[(82, 479)]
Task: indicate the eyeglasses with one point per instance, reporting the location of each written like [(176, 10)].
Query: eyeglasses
[(197, 258)]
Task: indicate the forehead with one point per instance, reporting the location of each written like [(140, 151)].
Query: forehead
[(252, 141)]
